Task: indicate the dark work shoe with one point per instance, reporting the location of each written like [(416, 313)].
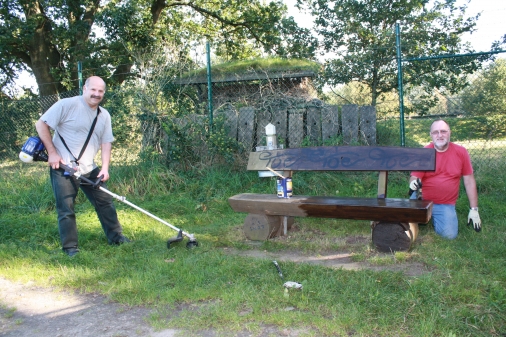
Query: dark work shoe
[(71, 251), (121, 240)]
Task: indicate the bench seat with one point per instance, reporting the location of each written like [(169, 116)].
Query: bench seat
[(374, 209)]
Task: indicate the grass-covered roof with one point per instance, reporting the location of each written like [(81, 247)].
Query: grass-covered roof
[(254, 69)]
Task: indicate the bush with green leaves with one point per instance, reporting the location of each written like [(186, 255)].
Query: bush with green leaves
[(220, 144)]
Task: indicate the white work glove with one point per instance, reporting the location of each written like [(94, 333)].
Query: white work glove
[(474, 218), (415, 184)]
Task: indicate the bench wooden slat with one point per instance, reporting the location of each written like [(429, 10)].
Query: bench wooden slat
[(345, 158), (374, 209)]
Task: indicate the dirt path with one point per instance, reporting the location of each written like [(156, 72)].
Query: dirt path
[(337, 261), (27, 310), (30, 311)]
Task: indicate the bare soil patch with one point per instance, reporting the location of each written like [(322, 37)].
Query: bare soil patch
[(27, 310), (341, 260)]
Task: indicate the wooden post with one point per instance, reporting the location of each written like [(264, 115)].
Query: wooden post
[(295, 127), (349, 118), (262, 119), (260, 227), (280, 121), (382, 184), (313, 122), (330, 122), (394, 236), (231, 118), (368, 124), (245, 126)]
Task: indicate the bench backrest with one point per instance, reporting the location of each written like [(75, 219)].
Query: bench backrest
[(346, 158)]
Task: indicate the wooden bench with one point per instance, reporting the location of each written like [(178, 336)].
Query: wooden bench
[(394, 221)]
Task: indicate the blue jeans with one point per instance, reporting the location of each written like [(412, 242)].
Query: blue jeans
[(65, 190), (444, 219)]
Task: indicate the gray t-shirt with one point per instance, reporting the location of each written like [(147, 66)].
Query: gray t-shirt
[(72, 119)]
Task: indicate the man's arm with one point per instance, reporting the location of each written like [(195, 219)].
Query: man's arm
[(472, 192), (106, 158), (44, 132)]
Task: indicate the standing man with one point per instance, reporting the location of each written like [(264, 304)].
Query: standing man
[(442, 185), (76, 141)]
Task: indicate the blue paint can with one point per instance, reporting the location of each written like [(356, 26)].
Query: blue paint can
[(284, 186)]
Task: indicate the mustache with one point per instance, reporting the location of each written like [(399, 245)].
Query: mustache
[(95, 96)]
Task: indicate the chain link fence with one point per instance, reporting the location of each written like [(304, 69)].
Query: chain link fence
[(244, 106), (17, 120), (477, 122)]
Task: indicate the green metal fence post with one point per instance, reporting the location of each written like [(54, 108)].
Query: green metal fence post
[(209, 87), (399, 80), (80, 76)]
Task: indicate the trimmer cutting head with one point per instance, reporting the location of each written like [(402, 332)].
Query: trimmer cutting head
[(177, 238), (192, 243)]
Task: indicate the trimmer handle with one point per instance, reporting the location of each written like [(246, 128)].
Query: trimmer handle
[(95, 184), (71, 171)]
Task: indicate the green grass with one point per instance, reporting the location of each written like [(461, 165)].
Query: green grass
[(463, 292)]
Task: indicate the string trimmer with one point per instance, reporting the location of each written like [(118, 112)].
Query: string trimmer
[(33, 150)]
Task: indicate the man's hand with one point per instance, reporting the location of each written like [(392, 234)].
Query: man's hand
[(474, 218), (104, 174), (414, 186), (54, 160)]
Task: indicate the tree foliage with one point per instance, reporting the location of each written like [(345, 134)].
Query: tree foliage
[(486, 95), (485, 98), (49, 37), (359, 39), (358, 93)]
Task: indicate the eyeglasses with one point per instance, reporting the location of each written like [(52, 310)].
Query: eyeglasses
[(442, 132)]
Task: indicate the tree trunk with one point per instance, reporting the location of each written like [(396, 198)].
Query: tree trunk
[(43, 55)]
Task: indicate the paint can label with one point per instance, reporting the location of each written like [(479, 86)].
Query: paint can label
[(284, 186)]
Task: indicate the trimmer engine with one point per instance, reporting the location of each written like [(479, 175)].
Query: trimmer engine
[(33, 150)]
